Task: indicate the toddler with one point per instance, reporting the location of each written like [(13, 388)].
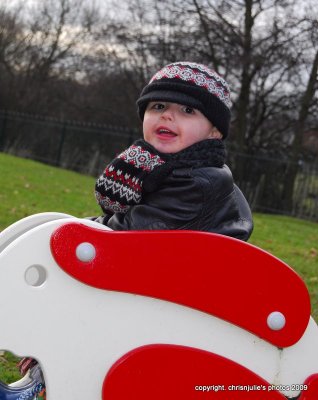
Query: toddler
[(176, 176)]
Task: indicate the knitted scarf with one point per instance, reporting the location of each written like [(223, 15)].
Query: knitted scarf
[(141, 168)]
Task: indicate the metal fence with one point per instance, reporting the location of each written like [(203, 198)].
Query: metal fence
[(264, 181), (82, 147), (86, 148)]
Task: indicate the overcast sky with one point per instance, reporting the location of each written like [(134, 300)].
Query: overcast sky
[(116, 6)]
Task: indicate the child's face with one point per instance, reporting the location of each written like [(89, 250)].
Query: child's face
[(171, 127)]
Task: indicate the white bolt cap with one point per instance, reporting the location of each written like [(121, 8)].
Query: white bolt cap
[(276, 321), (85, 252)]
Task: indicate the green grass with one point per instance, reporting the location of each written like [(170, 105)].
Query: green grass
[(8, 368), (295, 242), (29, 187)]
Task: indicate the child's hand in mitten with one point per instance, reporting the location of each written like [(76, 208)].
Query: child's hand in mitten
[(121, 184)]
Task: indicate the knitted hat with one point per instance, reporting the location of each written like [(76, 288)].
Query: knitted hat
[(194, 85)]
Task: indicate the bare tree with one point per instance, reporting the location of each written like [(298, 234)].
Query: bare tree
[(45, 45), (14, 43), (305, 104)]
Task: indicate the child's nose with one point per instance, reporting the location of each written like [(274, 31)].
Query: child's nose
[(167, 113)]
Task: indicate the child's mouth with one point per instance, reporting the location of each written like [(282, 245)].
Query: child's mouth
[(165, 132)]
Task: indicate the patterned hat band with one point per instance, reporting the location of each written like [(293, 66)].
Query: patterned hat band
[(198, 75), (194, 85)]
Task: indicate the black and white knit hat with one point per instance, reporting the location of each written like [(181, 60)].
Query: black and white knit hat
[(194, 85)]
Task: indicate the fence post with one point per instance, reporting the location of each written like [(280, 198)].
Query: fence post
[(133, 134), (60, 148), (3, 131), (130, 137)]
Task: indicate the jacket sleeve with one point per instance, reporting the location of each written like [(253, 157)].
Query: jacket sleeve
[(234, 217), (227, 212)]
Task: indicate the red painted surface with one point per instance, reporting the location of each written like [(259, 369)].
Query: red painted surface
[(310, 392), (215, 274), (170, 372)]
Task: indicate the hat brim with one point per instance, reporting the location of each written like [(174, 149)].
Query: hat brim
[(166, 95)]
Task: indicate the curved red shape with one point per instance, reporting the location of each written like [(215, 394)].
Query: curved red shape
[(310, 388), (173, 372), (219, 275)]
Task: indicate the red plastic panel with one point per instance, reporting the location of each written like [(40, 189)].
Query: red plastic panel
[(173, 372), (310, 388), (212, 273)]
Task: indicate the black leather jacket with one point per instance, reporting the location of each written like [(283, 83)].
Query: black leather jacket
[(202, 199)]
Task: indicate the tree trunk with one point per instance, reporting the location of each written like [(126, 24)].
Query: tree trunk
[(296, 147), (244, 95)]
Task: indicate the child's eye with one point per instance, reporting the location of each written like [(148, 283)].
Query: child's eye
[(188, 110), (157, 106)]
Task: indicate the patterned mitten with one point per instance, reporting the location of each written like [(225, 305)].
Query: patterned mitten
[(121, 184)]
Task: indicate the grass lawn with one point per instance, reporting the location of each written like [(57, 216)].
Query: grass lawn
[(296, 243), (29, 187), (8, 368)]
